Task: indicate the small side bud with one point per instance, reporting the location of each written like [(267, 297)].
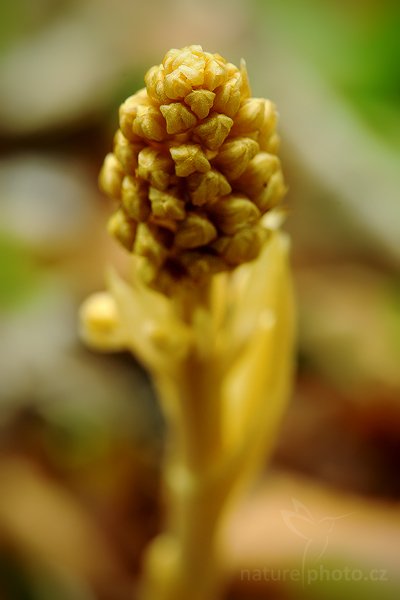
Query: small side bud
[(122, 228), (249, 117), (200, 102), (233, 213), (149, 124), (195, 231), (272, 194), (128, 112), (188, 159), (155, 84), (126, 152), (269, 125), (155, 167), (228, 96), (178, 117), (257, 174), (166, 206), (134, 198), (215, 73), (273, 144), (147, 244), (111, 176), (189, 61), (201, 266), (205, 188), (235, 155), (243, 246), (213, 131)]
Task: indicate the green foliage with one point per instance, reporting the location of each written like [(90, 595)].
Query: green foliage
[(18, 274), (356, 47)]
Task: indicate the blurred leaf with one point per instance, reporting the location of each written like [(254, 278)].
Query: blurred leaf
[(21, 17), (354, 45), (393, 313), (18, 274)]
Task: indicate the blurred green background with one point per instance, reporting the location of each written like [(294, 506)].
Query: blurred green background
[(80, 433)]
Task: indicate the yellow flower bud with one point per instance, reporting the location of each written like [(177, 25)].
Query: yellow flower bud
[(122, 228), (205, 188), (272, 194), (187, 140), (228, 96), (200, 266), (188, 159), (249, 117), (134, 198), (268, 126), (243, 246), (149, 123), (273, 143), (154, 80), (189, 60), (111, 176), (176, 85), (178, 117), (213, 130), (126, 152), (166, 206), (149, 245), (233, 213), (215, 73), (235, 155), (128, 112), (200, 102), (257, 174), (195, 231), (155, 167), (100, 317)]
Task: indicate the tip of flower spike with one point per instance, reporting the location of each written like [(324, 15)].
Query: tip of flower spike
[(194, 168)]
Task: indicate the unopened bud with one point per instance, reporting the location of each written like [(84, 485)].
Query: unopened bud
[(213, 131), (234, 212), (154, 80), (128, 112), (122, 228), (111, 176), (243, 246), (178, 117), (268, 126), (149, 124), (257, 174), (201, 266), (235, 155), (195, 231), (200, 102), (205, 188), (272, 194), (188, 159), (155, 167), (215, 73), (228, 97), (273, 143), (166, 206), (126, 152), (149, 245), (189, 60), (249, 117), (134, 198)]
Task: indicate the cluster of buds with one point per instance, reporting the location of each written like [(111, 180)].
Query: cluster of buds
[(194, 168)]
